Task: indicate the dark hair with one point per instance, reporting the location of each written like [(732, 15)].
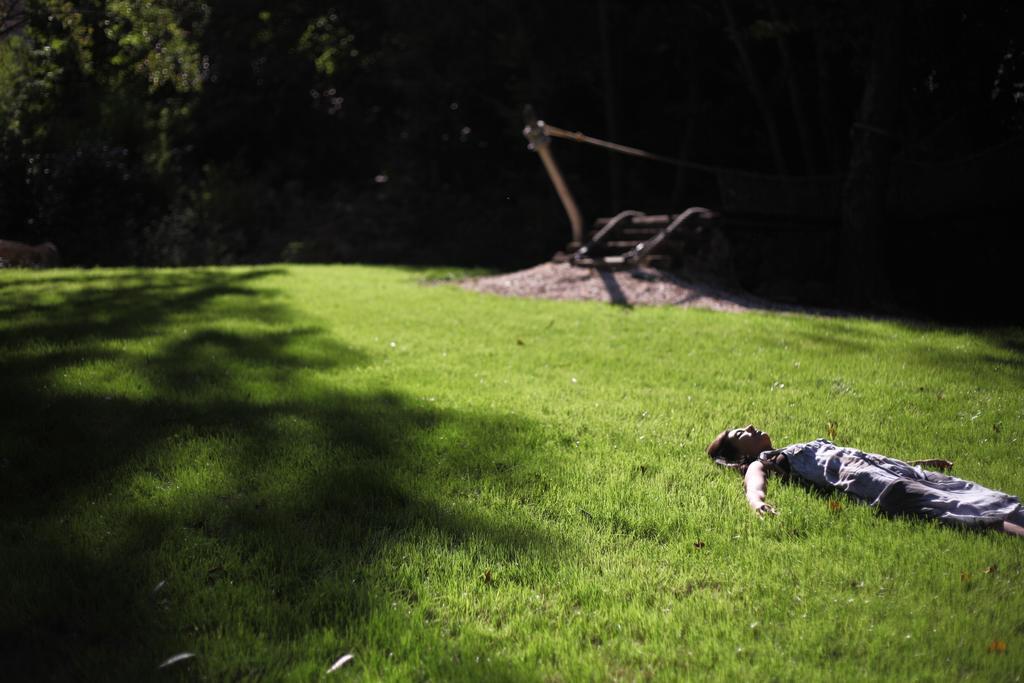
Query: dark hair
[(724, 453)]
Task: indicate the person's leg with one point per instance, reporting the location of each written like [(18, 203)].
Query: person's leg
[(904, 497), (918, 499), (1012, 529), (1014, 524)]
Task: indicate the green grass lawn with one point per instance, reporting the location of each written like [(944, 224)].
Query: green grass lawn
[(272, 467)]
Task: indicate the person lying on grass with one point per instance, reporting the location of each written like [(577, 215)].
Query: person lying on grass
[(893, 486)]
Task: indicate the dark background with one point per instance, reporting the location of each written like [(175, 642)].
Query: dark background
[(184, 132)]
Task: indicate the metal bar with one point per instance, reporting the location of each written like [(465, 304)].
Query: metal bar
[(556, 132), (575, 218), (642, 250), (541, 144), (650, 245), (643, 219), (584, 251)]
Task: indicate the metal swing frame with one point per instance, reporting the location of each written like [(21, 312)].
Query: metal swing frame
[(539, 134)]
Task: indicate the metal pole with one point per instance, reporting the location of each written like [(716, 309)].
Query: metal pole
[(555, 131), (541, 144)]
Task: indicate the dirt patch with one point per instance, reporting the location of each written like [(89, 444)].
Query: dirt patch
[(640, 286)]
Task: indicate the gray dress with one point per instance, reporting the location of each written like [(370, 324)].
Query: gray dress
[(894, 486)]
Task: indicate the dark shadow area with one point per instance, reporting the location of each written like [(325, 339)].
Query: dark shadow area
[(1007, 340), (1001, 350), (958, 269), (1002, 355), (311, 483), (615, 293)]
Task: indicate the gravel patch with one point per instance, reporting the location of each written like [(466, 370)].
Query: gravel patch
[(641, 286)]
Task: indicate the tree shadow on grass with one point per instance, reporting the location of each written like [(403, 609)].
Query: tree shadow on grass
[(1001, 350), (211, 458)]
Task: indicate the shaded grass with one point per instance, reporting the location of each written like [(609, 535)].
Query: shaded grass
[(270, 467)]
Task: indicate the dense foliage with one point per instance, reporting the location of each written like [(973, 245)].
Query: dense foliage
[(182, 131)]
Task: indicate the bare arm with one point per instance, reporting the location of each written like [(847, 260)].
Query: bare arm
[(754, 485)]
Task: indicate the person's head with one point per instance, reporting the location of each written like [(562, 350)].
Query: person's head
[(738, 447)]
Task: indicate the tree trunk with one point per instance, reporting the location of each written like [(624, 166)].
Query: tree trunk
[(760, 100), (872, 140)]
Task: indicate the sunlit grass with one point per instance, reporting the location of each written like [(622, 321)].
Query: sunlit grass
[(272, 467)]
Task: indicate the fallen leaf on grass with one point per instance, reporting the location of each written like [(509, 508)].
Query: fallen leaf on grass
[(488, 579), (997, 647), (698, 544), (345, 659), (180, 657), (835, 505), (990, 569)]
